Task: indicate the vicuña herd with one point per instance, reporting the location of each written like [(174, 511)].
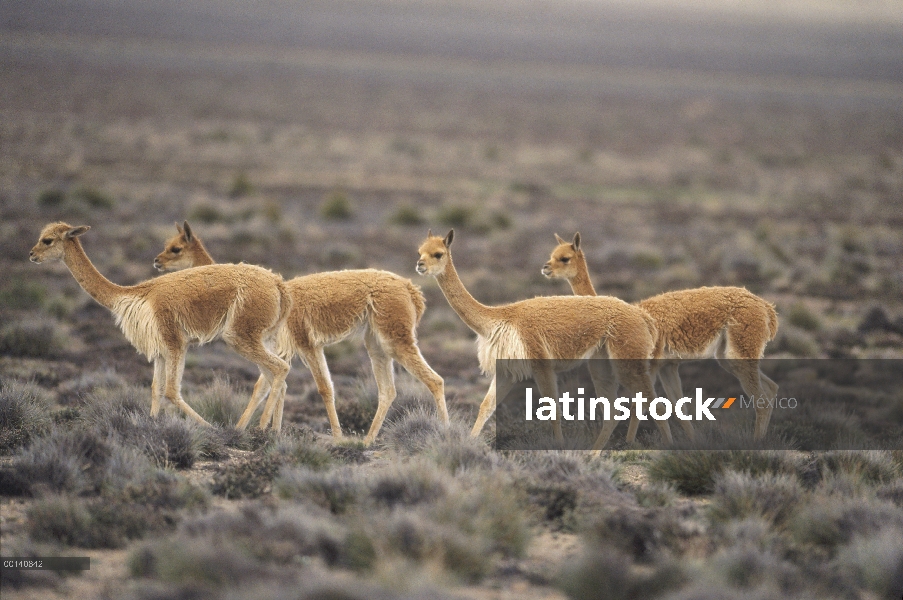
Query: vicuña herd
[(269, 321)]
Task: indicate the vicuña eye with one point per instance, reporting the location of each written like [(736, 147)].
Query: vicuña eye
[(176, 250), (437, 255), (565, 260), (47, 241)]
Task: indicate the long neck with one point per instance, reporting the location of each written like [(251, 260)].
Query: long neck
[(199, 255), (581, 284), (98, 287), (479, 317)]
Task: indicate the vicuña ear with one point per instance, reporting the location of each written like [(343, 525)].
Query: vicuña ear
[(449, 238), (179, 228), (187, 232), (559, 240), (576, 244), (77, 231)]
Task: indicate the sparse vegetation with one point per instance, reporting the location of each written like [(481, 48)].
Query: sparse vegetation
[(28, 339), (93, 197), (800, 316), (309, 169), (240, 186), (24, 414), (407, 216), (20, 293), (336, 206), (455, 215)]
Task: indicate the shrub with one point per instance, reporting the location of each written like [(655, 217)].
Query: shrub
[(455, 215), (695, 471), (407, 484), (355, 417), (455, 451), (500, 220), (869, 467), (751, 568), (336, 491), (336, 207), (801, 316), (302, 451), (350, 451), (827, 522), (249, 478), (253, 476), (406, 216), (107, 522), (197, 562), (251, 542), (564, 487), (170, 441), (52, 197), (603, 574), (418, 431), (67, 460), (210, 442), (35, 341), (489, 508), (241, 186), (412, 432), (93, 197), (24, 414), (425, 541), (220, 402), (740, 495), (206, 213), (655, 495), (23, 294), (876, 563)]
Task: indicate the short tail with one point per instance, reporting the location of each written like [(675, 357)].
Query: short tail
[(772, 320), (417, 299), (285, 305), (279, 332), (659, 339)]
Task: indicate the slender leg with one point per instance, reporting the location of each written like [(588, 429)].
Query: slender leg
[(746, 370), (487, 407), (157, 385), (409, 357), (261, 389), (385, 384), (316, 362), (670, 378), (175, 365), (605, 382), (547, 382), (635, 376)]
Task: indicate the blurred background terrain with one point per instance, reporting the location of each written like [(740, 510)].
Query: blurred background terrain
[(690, 143)]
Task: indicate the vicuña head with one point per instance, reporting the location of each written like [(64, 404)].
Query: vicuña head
[(242, 304), (568, 262), (564, 259), (52, 241), (434, 256), (182, 251)]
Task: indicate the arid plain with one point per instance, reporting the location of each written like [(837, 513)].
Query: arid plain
[(332, 137)]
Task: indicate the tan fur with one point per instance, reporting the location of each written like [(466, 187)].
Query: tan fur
[(328, 308), (243, 304), (725, 322), (539, 330)]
